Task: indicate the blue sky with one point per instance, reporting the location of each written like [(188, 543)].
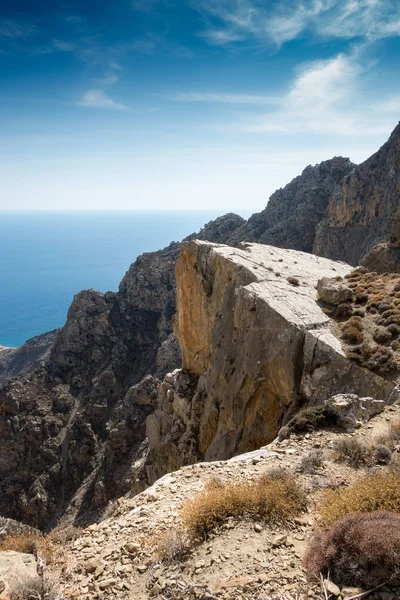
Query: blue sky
[(173, 104)]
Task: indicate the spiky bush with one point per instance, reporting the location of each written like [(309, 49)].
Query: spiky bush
[(362, 549)]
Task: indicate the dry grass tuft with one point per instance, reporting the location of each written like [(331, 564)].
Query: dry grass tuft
[(359, 550), (371, 493), (274, 501), (172, 546), (312, 462), (30, 543), (352, 451)]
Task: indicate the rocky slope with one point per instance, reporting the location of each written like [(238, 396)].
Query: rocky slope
[(16, 362), (293, 213), (119, 557), (360, 213)]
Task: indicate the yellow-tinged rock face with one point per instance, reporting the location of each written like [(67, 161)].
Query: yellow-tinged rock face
[(254, 339)]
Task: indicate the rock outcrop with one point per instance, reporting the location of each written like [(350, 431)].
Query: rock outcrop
[(293, 213), (254, 343), (360, 213), (17, 362)]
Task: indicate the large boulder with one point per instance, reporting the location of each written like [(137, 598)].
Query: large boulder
[(354, 411), (334, 290), (18, 573)]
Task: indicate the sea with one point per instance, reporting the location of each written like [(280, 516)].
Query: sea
[(47, 257)]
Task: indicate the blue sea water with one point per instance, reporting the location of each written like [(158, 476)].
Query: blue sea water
[(47, 257)]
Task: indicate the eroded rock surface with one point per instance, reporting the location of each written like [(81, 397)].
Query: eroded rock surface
[(16, 362), (254, 341), (361, 212)]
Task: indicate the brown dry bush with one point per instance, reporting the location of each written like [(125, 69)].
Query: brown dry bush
[(311, 462), (359, 550), (29, 543), (352, 334), (293, 281), (172, 546), (344, 310), (352, 451), (381, 335), (38, 589), (368, 494), (382, 454), (270, 500)]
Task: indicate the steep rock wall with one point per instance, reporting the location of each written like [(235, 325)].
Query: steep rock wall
[(360, 214), (254, 340)]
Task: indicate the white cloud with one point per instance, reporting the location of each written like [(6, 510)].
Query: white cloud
[(217, 98), (276, 22), (63, 46), (99, 99), (110, 76), (325, 97)]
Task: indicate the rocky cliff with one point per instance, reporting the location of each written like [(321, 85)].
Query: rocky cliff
[(77, 424), (255, 343), (361, 211), (293, 213), (16, 362)]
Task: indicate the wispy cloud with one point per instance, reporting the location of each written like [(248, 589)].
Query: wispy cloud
[(99, 99), (255, 99), (63, 46), (277, 21), (12, 29), (111, 76), (326, 97)]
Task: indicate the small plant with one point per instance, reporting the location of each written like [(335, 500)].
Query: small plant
[(273, 501), (382, 454), (293, 281), (359, 550), (311, 462), (381, 335), (172, 546), (344, 310), (361, 298), (352, 334), (312, 417), (351, 451), (368, 494)]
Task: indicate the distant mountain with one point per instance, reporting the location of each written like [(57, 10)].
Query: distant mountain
[(293, 213)]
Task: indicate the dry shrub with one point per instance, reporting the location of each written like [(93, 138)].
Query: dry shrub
[(311, 462), (382, 454), (361, 298), (359, 550), (396, 287), (393, 329), (352, 334), (30, 543), (293, 281), (368, 494), (352, 451), (359, 312), (37, 589), (272, 501), (172, 546), (312, 417), (381, 335), (344, 310)]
